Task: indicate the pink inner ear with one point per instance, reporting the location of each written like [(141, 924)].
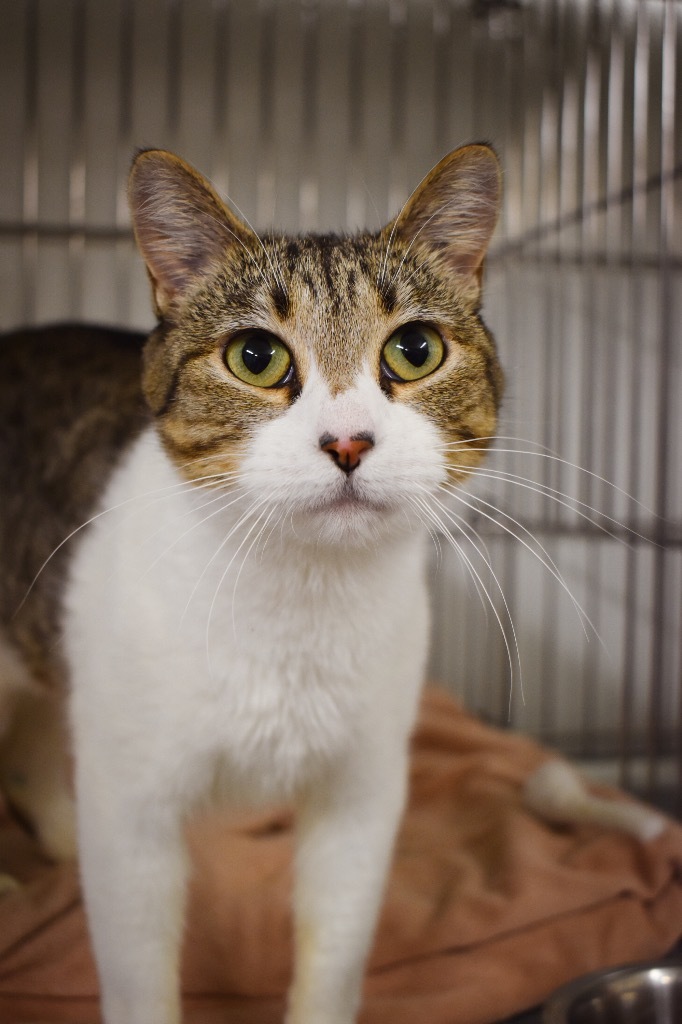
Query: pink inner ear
[(454, 210), (183, 229)]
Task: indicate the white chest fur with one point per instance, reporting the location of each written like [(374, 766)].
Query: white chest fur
[(222, 660)]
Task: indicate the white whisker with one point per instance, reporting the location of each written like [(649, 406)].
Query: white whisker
[(384, 265), (194, 526), (425, 224), (149, 537), (248, 551), (278, 522), (545, 561), (222, 580), (592, 515), (154, 493), (476, 576), (276, 275), (406, 280), (545, 453), (438, 529), (243, 518)]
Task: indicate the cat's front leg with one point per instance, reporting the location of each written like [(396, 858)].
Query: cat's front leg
[(345, 837), (133, 872)]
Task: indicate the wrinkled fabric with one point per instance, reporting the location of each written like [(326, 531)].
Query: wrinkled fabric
[(487, 909)]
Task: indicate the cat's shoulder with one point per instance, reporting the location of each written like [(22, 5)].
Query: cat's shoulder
[(71, 406), (68, 344), (52, 376)]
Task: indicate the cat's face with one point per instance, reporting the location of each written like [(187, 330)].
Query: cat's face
[(340, 380)]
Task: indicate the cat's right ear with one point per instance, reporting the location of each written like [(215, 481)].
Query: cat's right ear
[(182, 227), (452, 214)]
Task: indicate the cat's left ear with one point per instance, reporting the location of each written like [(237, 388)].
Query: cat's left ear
[(453, 213), (182, 227)]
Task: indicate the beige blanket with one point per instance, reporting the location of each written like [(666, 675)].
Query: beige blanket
[(487, 909)]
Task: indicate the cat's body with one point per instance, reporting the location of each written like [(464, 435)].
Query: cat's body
[(245, 617)]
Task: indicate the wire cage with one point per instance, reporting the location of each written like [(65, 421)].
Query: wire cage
[(314, 114)]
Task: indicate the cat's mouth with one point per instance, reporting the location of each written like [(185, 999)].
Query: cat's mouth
[(350, 499)]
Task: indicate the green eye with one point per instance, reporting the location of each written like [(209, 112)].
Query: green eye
[(413, 352), (259, 358)]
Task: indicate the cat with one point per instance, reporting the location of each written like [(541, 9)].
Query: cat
[(244, 618)]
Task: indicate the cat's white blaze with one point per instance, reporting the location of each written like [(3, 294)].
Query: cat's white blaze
[(286, 463), (206, 664)]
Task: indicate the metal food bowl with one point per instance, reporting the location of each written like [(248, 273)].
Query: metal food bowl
[(638, 994)]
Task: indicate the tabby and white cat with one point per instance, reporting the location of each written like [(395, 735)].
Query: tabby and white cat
[(245, 617)]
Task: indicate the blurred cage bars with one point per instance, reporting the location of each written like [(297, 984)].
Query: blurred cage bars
[(317, 114)]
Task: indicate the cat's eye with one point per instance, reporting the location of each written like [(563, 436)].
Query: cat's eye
[(413, 352), (259, 358)]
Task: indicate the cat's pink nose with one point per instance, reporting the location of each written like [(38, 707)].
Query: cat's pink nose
[(347, 451)]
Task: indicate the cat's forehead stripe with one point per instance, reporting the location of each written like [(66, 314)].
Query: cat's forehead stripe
[(334, 302), (280, 300)]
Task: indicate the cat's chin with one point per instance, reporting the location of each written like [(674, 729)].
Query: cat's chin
[(349, 521), (350, 505)]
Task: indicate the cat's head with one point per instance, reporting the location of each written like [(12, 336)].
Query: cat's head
[(339, 379)]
